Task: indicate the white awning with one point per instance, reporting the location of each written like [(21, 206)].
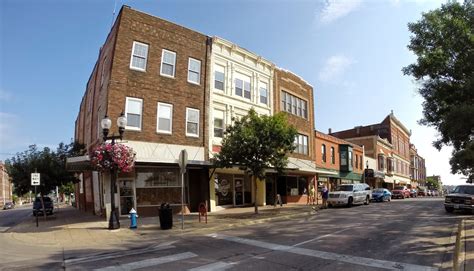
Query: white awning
[(164, 153), (305, 166)]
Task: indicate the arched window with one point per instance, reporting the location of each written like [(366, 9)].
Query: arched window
[(333, 158), (323, 153)]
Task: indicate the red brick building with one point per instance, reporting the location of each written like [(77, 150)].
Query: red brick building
[(155, 72), (388, 143), (6, 186)]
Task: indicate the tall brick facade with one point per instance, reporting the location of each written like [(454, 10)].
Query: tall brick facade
[(6, 186)]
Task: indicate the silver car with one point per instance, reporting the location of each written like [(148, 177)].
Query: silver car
[(350, 194)]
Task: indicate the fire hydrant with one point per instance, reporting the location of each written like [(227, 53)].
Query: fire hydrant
[(133, 219)]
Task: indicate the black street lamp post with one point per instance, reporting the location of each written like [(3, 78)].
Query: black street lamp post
[(106, 123)]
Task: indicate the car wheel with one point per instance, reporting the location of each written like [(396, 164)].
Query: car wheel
[(389, 198), (367, 201), (449, 209), (329, 205), (350, 201)]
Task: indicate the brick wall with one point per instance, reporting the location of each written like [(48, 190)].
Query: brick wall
[(288, 82)]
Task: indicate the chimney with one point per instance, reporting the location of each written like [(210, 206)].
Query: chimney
[(329, 131), (391, 111)]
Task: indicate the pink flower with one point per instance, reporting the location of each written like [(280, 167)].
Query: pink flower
[(117, 156)]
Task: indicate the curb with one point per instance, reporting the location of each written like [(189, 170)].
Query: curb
[(460, 248)]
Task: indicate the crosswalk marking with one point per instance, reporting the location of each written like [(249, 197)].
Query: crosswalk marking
[(149, 262), (217, 266), (117, 254), (327, 255)]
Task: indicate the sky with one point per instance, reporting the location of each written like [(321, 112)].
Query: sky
[(351, 52)]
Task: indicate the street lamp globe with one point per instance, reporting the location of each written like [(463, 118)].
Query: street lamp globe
[(106, 123), (122, 121)]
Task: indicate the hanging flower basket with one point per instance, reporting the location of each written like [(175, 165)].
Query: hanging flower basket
[(117, 156)]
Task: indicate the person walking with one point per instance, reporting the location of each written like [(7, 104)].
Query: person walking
[(312, 195), (325, 195)]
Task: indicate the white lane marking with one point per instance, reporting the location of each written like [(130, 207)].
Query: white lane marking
[(217, 266), (149, 262), (327, 255), (321, 237), (4, 229), (98, 257)]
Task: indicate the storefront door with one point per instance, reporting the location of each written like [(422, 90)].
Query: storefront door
[(239, 191), (127, 196)]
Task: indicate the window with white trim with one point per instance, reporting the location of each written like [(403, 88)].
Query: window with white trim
[(194, 71), (218, 123), (219, 75), (133, 112), (139, 56), (192, 122), (165, 118), (301, 142), (242, 86), (263, 93), (168, 63)]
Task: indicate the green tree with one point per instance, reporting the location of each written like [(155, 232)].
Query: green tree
[(256, 143), (432, 183), (51, 165), (443, 41)]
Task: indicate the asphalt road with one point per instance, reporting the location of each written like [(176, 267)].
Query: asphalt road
[(11, 217), (410, 234)]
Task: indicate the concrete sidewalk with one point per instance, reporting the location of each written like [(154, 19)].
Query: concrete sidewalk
[(69, 228), (466, 253)]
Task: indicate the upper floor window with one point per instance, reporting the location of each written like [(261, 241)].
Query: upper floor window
[(242, 87), (218, 123), (357, 161), (192, 122), (323, 153), (381, 162), (351, 161), (293, 105), (168, 63), (165, 118), (333, 158), (133, 111), (194, 71), (263, 93), (360, 163), (219, 77), (301, 142), (139, 56)]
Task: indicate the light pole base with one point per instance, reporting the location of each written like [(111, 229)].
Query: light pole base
[(114, 223)]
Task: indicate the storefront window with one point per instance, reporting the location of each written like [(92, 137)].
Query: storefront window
[(296, 186), (224, 189), (156, 186)]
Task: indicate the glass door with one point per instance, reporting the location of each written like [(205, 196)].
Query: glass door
[(127, 196), (239, 191)]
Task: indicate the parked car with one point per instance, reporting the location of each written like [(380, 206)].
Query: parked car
[(400, 192), (8, 205), (48, 206), (435, 193), (381, 194), (349, 194), (413, 193), (429, 193), (462, 198), (422, 193)]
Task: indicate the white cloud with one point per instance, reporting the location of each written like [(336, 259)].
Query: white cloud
[(334, 67), (335, 9)]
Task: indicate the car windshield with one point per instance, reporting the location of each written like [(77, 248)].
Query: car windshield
[(464, 190), (378, 190), (344, 188), (398, 187)]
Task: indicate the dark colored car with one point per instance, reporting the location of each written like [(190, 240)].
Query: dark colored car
[(422, 193), (400, 192), (413, 193), (381, 194), (48, 206), (8, 205), (461, 198)]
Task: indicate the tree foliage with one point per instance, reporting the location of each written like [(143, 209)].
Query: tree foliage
[(443, 41), (256, 143), (50, 164)]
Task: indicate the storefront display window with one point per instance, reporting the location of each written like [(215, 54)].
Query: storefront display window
[(224, 189), (156, 186)]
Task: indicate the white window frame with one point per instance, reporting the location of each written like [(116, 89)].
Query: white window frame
[(158, 118), (132, 54), (217, 68), (263, 86), (223, 122), (189, 71), (198, 121), (141, 113), (174, 64)]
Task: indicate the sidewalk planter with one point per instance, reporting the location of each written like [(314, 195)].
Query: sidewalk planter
[(166, 216)]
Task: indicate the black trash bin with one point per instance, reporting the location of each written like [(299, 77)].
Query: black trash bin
[(166, 216)]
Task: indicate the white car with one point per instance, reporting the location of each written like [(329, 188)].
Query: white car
[(349, 194)]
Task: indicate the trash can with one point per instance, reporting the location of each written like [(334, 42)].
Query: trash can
[(166, 216)]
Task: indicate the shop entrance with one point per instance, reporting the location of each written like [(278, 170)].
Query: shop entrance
[(127, 196), (243, 192)]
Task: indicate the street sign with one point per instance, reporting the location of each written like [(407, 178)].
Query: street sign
[(183, 160), (35, 179)]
